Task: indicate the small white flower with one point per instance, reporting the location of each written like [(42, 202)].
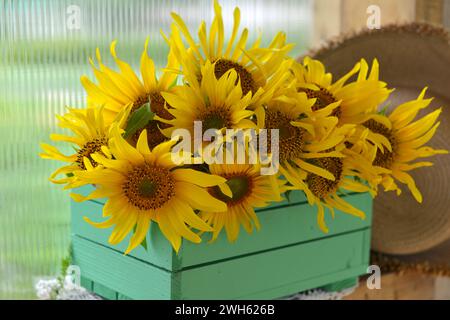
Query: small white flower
[(52, 290), (47, 289)]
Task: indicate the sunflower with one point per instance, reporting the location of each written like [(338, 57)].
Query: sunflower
[(90, 136), (249, 190), (313, 156), (301, 138), (407, 138), (325, 193), (216, 103), (144, 185), (261, 70), (118, 89), (352, 100)]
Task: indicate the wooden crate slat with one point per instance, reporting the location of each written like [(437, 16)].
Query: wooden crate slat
[(274, 271), (86, 283), (159, 247), (279, 227), (104, 291), (124, 274), (266, 275)]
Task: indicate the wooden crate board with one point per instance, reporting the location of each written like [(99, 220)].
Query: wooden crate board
[(264, 275), (286, 224), (120, 273)]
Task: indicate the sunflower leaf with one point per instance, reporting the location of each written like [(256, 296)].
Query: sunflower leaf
[(138, 120), (144, 243), (288, 195), (384, 110)]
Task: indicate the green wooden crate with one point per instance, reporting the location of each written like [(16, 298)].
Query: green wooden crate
[(288, 255)]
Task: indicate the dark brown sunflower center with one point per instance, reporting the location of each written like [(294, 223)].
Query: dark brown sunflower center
[(247, 82), (90, 148), (158, 107), (154, 134), (215, 118), (320, 186), (323, 99), (241, 187), (383, 158), (148, 187), (291, 139), (139, 102)]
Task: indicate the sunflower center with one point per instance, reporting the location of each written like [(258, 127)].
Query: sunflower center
[(154, 134), (291, 139), (157, 106), (320, 186), (323, 99), (148, 187), (386, 158), (215, 118), (247, 82), (139, 102), (90, 148), (240, 187)]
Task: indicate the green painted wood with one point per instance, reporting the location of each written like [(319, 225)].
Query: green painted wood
[(279, 227), (265, 275), (341, 285), (123, 297), (367, 247), (285, 225), (86, 283), (159, 249), (275, 269), (124, 274), (306, 284), (104, 291)]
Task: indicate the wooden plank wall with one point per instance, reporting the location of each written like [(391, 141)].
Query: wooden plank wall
[(447, 14), (405, 287), (335, 16), (354, 13), (430, 11)]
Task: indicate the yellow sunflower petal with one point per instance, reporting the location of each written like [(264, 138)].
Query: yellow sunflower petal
[(199, 178)]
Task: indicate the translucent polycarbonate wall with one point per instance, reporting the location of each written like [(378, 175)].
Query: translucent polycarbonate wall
[(44, 48)]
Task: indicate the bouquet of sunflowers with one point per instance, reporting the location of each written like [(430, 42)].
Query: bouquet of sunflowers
[(229, 127)]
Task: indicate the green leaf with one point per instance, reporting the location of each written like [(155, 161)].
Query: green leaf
[(138, 120), (287, 194), (384, 110), (144, 243)]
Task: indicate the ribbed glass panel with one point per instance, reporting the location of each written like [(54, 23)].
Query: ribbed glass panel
[(44, 48)]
